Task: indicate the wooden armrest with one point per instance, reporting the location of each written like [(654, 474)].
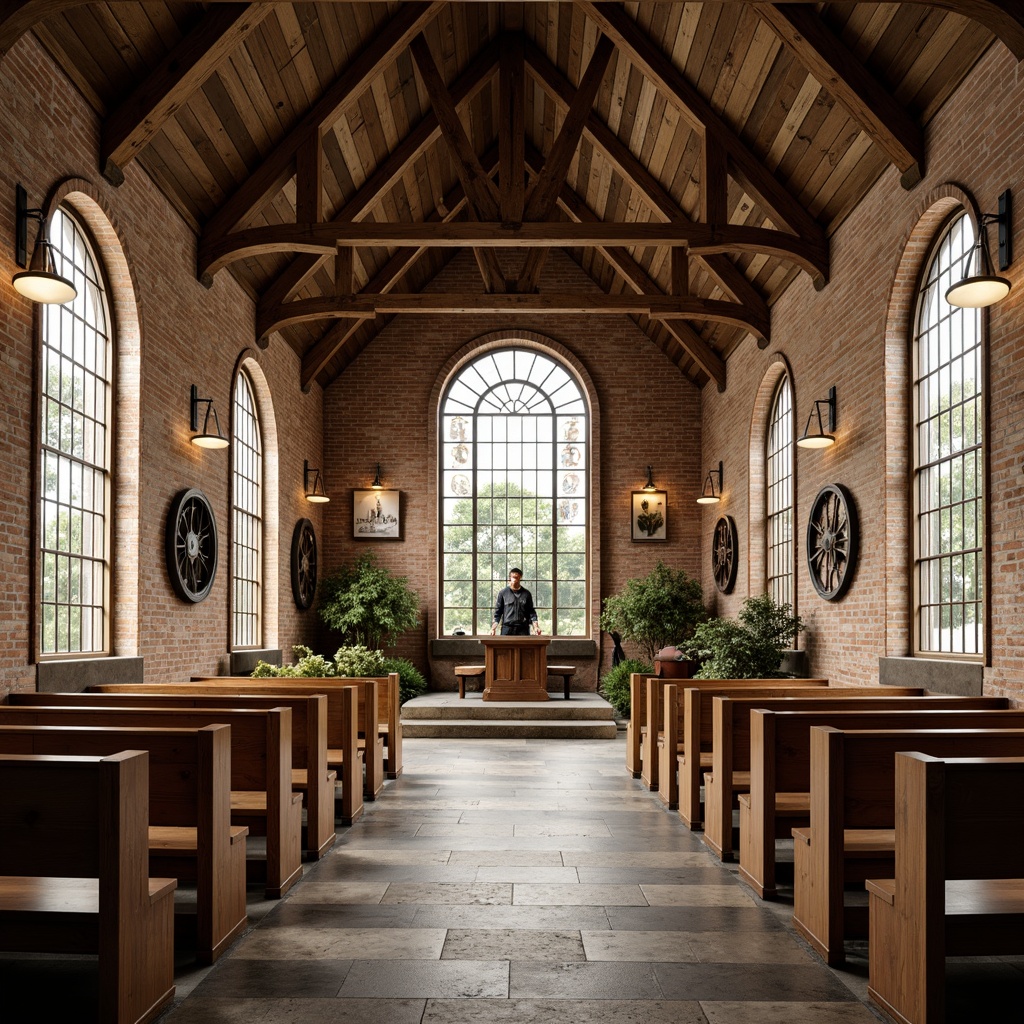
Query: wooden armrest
[(868, 842), (883, 888), (792, 803)]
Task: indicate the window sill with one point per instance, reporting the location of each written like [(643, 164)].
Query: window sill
[(470, 647), (70, 675), (242, 663), (958, 678)]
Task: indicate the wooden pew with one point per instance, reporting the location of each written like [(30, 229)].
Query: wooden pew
[(645, 706), (261, 769), (730, 772), (780, 763), (73, 875), (686, 719), (852, 834), (190, 832), (310, 774), (959, 883)]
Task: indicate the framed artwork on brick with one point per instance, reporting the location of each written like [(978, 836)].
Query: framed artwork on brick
[(376, 515), (649, 520)]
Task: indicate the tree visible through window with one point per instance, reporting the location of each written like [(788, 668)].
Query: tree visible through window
[(247, 506), (780, 495), (948, 457), (75, 428), (514, 452)]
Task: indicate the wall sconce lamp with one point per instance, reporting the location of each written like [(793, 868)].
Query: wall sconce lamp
[(377, 485), (206, 439), (41, 282), (823, 437), (649, 486), (315, 493), (984, 288), (710, 495)]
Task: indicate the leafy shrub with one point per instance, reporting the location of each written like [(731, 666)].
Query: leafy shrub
[(356, 660), (410, 679), (308, 665), (615, 683)]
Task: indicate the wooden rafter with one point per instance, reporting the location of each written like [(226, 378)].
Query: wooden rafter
[(848, 80), (135, 123), (512, 129)]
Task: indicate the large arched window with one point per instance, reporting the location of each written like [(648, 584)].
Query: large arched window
[(247, 521), (75, 430), (779, 490), (948, 457), (514, 486)]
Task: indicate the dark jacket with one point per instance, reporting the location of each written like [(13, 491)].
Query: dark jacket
[(514, 607)]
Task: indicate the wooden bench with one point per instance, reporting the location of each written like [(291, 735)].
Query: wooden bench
[(566, 672), (958, 889), (310, 774), (464, 672), (190, 832), (779, 796), (73, 875), (852, 834), (261, 771)]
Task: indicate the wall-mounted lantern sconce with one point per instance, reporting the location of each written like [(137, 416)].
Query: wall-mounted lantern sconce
[(824, 436), (314, 493), (649, 486), (377, 485), (41, 282), (710, 495), (206, 438), (984, 288)]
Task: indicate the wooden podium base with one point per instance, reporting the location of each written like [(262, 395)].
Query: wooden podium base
[(516, 668)]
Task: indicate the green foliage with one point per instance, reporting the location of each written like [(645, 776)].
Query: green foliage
[(661, 609), (367, 604), (308, 665), (355, 660), (615, 683), (410, 679), (750, 648)]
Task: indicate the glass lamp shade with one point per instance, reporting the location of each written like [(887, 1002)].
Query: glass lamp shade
[(977, 292), (318, 499), (41, 282), (708, 499), (816, 441), (210, 441)]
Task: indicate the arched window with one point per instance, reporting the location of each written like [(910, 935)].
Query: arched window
[(779, 488), (76, 419), (247, 521), (514, 485), (948, 457)]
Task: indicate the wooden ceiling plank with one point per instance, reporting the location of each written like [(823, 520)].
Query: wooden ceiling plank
[(512, 129), (276, 166), (656, 65), (77, 75), (847, 78)]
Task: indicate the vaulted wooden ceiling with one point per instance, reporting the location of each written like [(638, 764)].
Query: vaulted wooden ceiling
[(691, 158)]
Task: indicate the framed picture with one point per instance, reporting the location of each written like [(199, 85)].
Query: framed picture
[(376, 515), (649, 520)]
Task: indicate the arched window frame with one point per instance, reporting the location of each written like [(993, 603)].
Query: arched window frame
[(780, 556), (570, 448), (76, 426), (247, 518), (947, 350)]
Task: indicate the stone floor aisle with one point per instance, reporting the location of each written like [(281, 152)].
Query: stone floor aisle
[(527, 881)]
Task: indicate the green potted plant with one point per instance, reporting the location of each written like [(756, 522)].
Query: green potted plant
[(750, 648), (657, 611)]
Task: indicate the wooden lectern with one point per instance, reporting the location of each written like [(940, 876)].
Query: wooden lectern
[(516, 667)]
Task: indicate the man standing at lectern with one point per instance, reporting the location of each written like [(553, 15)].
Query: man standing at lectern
[(514, 608)]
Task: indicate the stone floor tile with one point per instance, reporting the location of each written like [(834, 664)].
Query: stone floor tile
[(449, 894), (560, 1011), (750, 947), (639, 947), (296, 1011), (750, 982), (697, 896), (443, 979), (302, 942), (693, 919), (529, 894), (587, 827), (315, 891), (341, 915), (528, 873), (530, 980), (509, 858), (786, 1013), (479, 831), (274, 977), (512, 944), (671, 859), (542, 918), (356, 857), (705, 874)]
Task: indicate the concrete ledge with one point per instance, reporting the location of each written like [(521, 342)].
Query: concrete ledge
[(242, 663), (468, 648), (73, 675), (957, 678)]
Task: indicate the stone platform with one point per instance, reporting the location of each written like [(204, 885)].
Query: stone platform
[(583, 716)]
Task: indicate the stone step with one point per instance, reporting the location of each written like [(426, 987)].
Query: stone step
[(437, 706), (449, 728)]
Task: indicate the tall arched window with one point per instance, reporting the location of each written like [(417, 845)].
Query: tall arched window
[(779, 485), (514, 485), (76, 416), (247, 521), (948, 457)]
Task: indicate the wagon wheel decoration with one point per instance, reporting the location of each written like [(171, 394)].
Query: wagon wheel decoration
[(304, 564), (832, 532), (723, 554), (191, 545)]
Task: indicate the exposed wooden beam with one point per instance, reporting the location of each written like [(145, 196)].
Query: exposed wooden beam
[(134, 124), (512, 128), (545, 190), (844, 76), (278, 166), (700, 238), (309, 190), (714, 191), (680, 270), (659, 68)]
